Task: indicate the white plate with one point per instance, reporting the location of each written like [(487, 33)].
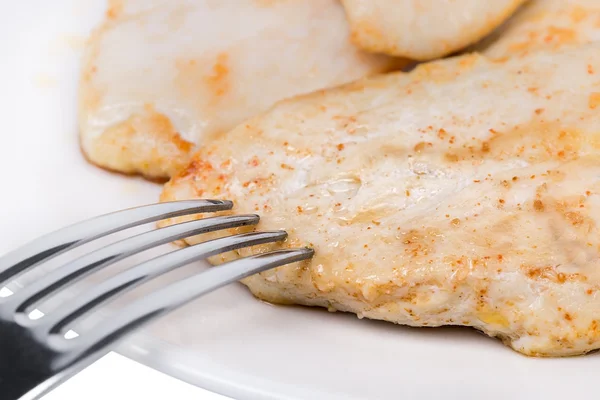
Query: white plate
[(227, 342)]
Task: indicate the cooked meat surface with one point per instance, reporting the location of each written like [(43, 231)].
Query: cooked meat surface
[(424, 29), (162, 77), (545, 25), (466, 192)]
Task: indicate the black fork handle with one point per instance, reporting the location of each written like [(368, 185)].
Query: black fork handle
[(20, 378), (14, 387)]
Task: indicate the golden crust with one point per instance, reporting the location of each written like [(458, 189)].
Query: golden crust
[(145, 143), (463, 193)]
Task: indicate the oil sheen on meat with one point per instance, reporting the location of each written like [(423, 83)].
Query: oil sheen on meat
[(163, 77), (466, 192)]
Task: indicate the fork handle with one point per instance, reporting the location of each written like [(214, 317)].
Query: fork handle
[(32, 371), (18, 386)]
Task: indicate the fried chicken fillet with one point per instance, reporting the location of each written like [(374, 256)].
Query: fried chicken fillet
[(466, 192), (545, 25), (161, 77), (424, 29)]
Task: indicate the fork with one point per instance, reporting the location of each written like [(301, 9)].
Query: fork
[(35, 356)]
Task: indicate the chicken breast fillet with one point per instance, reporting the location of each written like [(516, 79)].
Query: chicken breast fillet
[(162, 77), (424, 29), (466, 192), (545, 25)]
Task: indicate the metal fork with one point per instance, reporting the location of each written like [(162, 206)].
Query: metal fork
[(35, 356)]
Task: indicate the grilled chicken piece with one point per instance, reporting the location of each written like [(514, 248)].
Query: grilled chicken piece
[(162, 77), (424, 29), (466, 192), (545, 25)]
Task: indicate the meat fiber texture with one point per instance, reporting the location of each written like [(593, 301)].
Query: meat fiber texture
[(466, 192)]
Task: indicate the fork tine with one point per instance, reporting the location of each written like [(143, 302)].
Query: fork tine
[(81, 267), (173, 296), (135, 276), (53, 244)]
